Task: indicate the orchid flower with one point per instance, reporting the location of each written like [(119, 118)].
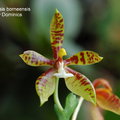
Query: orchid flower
[(105, 99), (76, 82)]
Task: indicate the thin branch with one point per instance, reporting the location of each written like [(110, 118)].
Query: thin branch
[(75, 114)]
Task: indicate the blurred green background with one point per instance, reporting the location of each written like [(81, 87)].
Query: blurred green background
[(89, 25)]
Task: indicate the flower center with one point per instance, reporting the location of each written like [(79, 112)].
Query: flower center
[(61, 71)]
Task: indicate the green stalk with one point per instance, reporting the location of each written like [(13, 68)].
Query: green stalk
[(70, 104), (56, 97)]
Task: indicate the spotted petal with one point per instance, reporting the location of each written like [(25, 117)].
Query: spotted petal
[(80, 85), (107, 100), (84, 58), (33, 58), (45, 85), (56, 33)]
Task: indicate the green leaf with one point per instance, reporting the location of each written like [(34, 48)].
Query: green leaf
[(70, 105)]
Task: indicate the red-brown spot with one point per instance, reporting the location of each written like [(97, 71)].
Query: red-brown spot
[(92, 57), (88, 55), (73, 59), (59, 34), (39, 78), (37, 82), (78, 76), (57, 38), (57, 31), (36, 62), (82, 59), (61, 26), (87, 83), (84, 82), (26, 57), (57, 15), (90, 93), (88, 89), (61, 20), (57, 42), (96, 59), (29, 58)]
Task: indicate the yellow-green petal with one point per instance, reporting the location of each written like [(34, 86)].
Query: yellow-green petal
[(84, 58), (45, 85), (80, 85), (57, 33), (33, 58)]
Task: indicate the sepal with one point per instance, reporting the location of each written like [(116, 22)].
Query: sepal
[(33, 58), (57, 33), (84, 58), (45, 85)]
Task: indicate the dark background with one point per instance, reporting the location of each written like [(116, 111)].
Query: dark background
[(89, 25)]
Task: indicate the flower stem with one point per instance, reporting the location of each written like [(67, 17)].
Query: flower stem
[(56, 97), (74, 117)]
